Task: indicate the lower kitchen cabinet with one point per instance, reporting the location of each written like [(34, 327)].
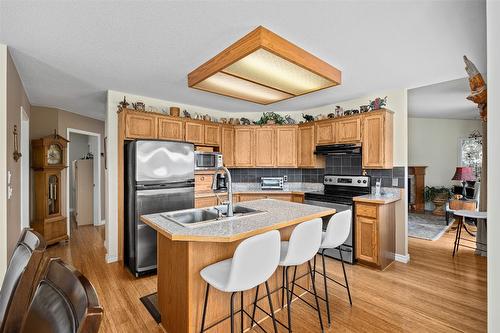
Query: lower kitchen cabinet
[(375, 234), (208, 200), (249, 196)]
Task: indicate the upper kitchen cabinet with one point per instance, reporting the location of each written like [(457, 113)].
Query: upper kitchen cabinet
[(244, 146), (348, 130), (170, 129), (325, 132), (286, 146), (212, 134), (139, 125), (227, 145), (306, 145), (265, 152), (194, 132), (378, 140)]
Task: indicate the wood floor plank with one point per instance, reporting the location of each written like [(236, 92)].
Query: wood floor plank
[(433, 293)]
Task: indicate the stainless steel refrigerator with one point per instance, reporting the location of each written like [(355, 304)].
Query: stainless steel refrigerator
[(159, 177)]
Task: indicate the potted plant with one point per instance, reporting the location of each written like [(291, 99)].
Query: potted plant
[(270, 118), (438, 196)]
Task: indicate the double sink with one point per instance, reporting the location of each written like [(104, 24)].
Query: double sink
[(197, 217)]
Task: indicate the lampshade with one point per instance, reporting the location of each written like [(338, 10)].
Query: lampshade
[(464, 174)]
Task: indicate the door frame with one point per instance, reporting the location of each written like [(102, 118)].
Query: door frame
[(97, 187), (25, 169)]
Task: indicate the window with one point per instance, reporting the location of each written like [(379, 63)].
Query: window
[(471, 153)]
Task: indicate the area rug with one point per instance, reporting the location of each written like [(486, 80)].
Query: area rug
[(427, 226), (151, 304)]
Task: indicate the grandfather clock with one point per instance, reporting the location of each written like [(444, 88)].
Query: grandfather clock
[(48, 162)]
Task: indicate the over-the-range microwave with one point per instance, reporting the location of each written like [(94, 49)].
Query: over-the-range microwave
[(207, 160)]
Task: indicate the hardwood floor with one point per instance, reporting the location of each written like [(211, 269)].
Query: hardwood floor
[(433, 293)]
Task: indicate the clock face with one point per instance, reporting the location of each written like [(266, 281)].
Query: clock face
[(54, 154)]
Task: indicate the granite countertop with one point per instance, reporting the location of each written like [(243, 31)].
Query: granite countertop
[(382, 199), (276, 214)]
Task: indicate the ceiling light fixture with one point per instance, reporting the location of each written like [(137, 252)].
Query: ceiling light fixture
[(264, 68)]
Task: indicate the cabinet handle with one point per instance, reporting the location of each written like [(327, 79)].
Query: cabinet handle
[(202, 178)]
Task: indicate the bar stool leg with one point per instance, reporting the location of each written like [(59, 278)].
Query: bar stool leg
[(283, 289), (271, 308), (345, 277), (326, 288), (288, 301), (232, 312), (316, 296), (254, 305), (204, 309), (293, 280), (241, 314)]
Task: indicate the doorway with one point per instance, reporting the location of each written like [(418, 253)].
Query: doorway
[(83, 192), (25, 169)]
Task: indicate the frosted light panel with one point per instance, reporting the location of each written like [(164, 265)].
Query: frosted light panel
[(228, 85), (273, 71)]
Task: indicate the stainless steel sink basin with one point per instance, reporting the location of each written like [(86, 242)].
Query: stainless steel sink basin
[(197, 217)]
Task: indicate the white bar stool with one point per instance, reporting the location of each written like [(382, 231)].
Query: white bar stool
[(336, 234), (303, 245), (253, 263)]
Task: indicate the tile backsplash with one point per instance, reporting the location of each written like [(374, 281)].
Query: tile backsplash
[(339, 165), (352, 165), (294, 175)]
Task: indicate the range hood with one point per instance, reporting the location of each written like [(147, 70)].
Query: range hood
[(339, 149)]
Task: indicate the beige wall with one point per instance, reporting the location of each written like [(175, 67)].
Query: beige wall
[(48, 119), (435, 143), (16, 98)]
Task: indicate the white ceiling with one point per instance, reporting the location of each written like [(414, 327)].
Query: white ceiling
[(69, 53), (442, 100)]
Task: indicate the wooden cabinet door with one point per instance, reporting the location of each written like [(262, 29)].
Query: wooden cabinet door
[(325, 133), (244, 147), (227, 145), (299, 198), (305, 146), (250, 196), (212, 134), (367, 239), (286, 146), (194, 132), (203, 182), (348, 130), (170, 129), (139, 125), (205, 202), (265, 151), (377, 141)]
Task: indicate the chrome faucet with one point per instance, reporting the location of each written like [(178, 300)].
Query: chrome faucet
[(229, 185)]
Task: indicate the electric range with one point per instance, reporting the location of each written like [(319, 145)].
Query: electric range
[(338, 193)]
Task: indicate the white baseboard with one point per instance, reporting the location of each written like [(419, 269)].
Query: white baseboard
[(110, 258), (403, 258), (103, 222)]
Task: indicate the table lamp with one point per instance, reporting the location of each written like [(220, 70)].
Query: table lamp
[(464, 174)]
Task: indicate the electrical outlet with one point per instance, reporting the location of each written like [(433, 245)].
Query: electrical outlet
[(395, 182), (285, 178)]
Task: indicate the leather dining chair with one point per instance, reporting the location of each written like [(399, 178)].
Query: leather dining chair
[(64, 302), (20, 279)]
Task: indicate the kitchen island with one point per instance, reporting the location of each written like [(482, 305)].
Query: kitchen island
[(183, 252)]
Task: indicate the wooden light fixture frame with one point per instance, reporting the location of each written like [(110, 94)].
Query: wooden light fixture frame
[(262, 38)]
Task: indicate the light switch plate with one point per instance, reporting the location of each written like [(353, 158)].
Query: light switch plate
[(395, 182)]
